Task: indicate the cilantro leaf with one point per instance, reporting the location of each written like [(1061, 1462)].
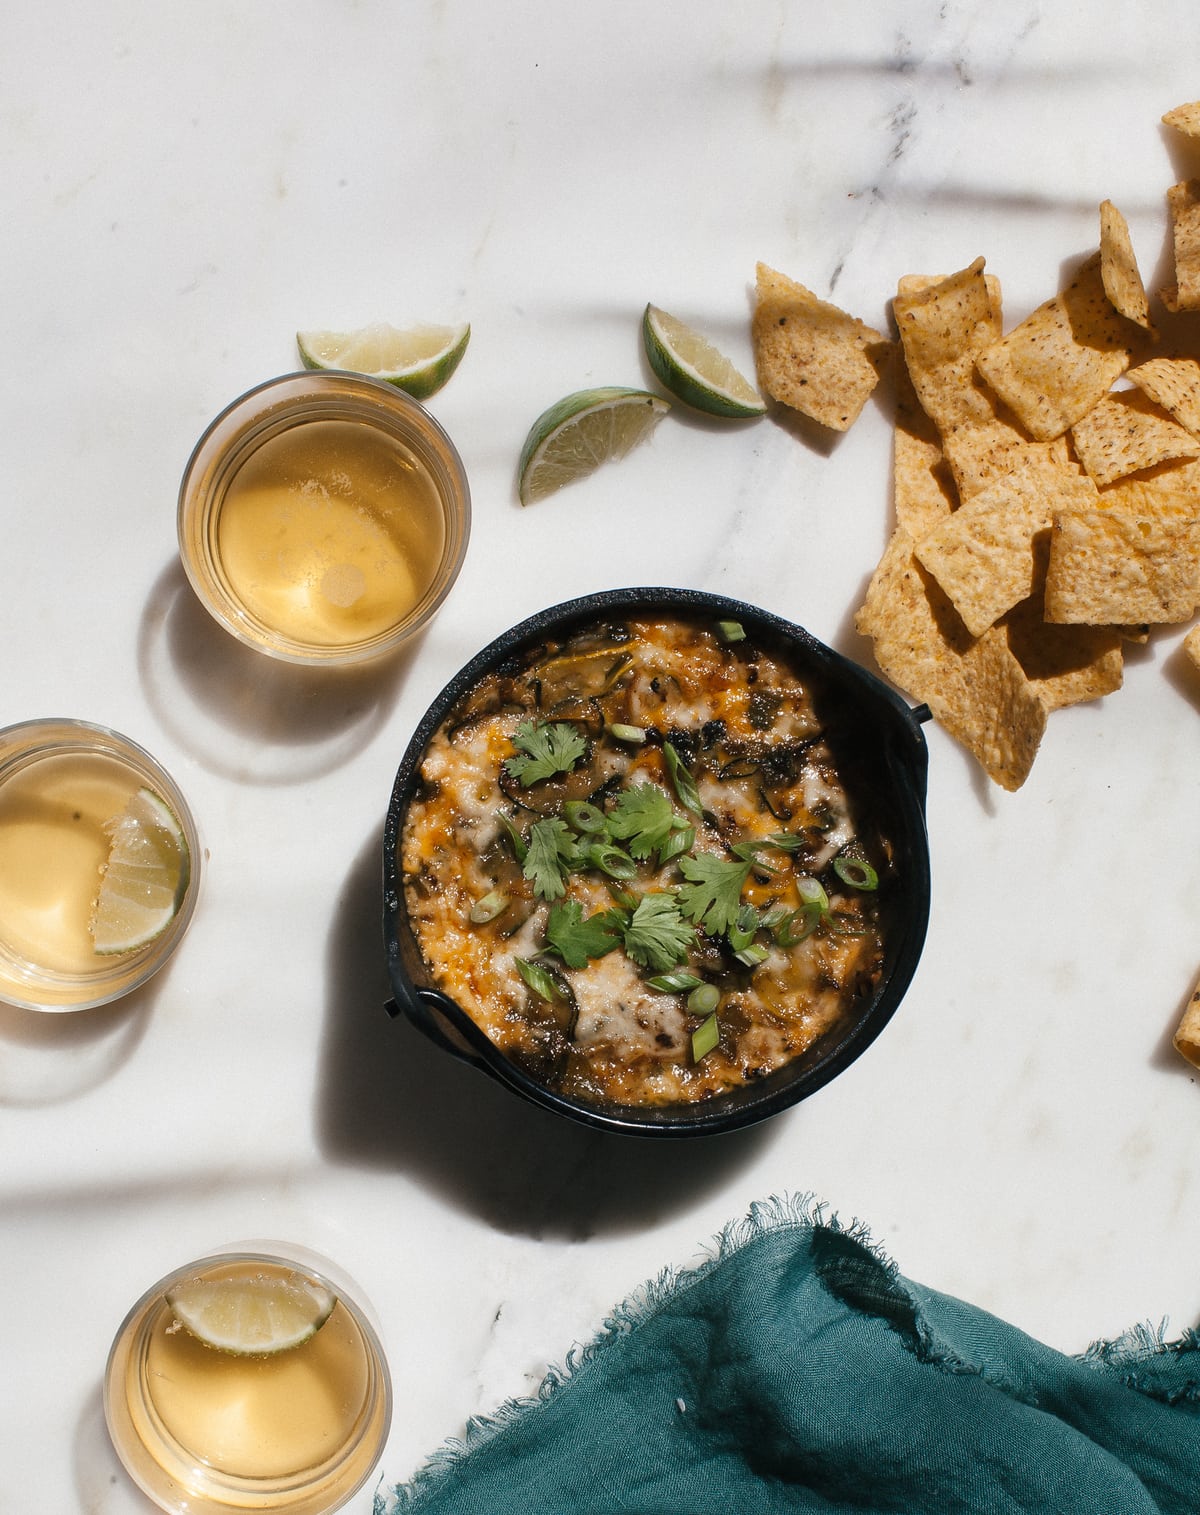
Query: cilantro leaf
[(643, 818), (713, 892), (657, 936), (550, 856), (544, 750), (575, 939)]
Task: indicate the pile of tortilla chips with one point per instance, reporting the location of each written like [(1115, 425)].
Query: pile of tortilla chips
[(1043, 517)]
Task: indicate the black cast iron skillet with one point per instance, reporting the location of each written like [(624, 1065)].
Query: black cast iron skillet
[(882, 752)]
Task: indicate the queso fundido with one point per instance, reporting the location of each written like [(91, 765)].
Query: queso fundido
[(638, 858)]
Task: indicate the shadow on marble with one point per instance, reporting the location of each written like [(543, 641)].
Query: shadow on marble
[(248, 717), (1183, 152), (390, 1099), (100, 1480), (1165, 1058), (49, 1057)]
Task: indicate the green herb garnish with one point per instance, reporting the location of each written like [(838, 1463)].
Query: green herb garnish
[(703, 999), (744, 928), (515, 840), (576, 939), (674, 983), (494, 903), (856, 873), (799, 925), (712, 895), (584, 817), (657, 936), (643, 818), (610, 860), (681, 778), (538, 979), (705, 1037), (551, 855), (731, 631), (544, 750)]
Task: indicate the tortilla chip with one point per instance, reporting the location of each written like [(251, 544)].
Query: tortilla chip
[(1118, 267), (1175, 384), (975, 689), (1187, 1037), (1127, 432), (1120, 564), (943, 326), (983, 556), (922, 488), (1183, 200), (1063, 359), (810, 355), (979, 455), (1191, 645), (1065, 664), (1185, 118)]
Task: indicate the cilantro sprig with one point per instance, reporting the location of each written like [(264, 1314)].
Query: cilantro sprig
[(713, 892), (657, 936), (544, 750), (644, 819), (551, 853), (576, 938)]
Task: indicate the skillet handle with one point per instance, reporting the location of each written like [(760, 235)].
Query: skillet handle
[(427, 1009)]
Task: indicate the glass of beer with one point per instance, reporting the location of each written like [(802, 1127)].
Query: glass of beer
[(99, 865), (249, 1380), (323, 518)]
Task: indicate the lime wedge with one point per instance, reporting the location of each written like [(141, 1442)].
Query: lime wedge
[(585, 429), (254, 1316), (145, 877), (418, 360), (694, 371)]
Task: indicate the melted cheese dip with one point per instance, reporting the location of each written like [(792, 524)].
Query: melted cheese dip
[(752, 734)]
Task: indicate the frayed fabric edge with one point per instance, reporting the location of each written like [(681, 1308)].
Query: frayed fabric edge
[(802, 1212), (1135, 1357), (1138, 1355)]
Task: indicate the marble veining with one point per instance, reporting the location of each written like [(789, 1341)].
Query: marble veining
[(185, 189)]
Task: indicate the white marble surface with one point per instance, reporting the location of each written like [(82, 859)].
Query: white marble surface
[(184, 186)]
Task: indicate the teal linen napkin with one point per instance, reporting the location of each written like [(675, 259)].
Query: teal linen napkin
[(796, 1369)]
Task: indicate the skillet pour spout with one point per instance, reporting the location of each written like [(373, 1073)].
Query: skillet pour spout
[(886, 755)]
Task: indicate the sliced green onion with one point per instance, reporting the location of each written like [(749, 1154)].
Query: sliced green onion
[(785, 841), (856, 873), (705, 1037), (675, 983), (584, 817), (538, 979), (731, 631), (515, 840), (685, 784), (610, 859), (846, 925), (489, 907), (753, 955), (812, 892), (774, 917), (800, 925), (623, 733), (704, 999), (677, 844), (743, 930)]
